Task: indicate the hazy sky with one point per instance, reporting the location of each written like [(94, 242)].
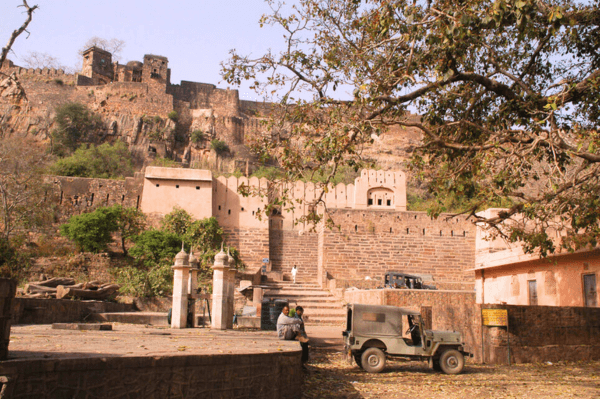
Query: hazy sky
[(195, 35)]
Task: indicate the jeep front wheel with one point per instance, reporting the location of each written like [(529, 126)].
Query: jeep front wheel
[(373, 360), (452, 362)]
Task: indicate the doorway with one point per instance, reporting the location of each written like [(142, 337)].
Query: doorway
[(533, 297), (590, 295)]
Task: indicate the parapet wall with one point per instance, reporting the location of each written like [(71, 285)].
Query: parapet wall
[(373, 190), (81, 195)]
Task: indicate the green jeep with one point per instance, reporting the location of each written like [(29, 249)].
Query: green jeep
[(375, 332)]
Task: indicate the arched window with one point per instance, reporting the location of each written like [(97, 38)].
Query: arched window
[(380, 197)]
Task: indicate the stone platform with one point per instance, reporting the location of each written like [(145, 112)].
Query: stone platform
[(149, 362)]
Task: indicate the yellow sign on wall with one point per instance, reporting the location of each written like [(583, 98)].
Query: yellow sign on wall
[(495, 317)]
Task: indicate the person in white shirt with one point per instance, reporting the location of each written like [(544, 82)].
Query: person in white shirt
[(294, 272)]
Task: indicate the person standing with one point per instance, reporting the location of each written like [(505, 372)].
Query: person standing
[(294, 272)]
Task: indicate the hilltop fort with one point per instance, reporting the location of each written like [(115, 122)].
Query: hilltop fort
[(135, 101)]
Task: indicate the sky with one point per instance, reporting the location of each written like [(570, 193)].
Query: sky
[(195, 35)]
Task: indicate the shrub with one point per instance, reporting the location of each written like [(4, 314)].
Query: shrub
[(14, 264), (91, 231), (219, 146), (173, 115), (157, 119), (155, 247), (197, 136), (165, 162), (145, 282), (154, 252), (271, 173), (104, 161), (156, 136)]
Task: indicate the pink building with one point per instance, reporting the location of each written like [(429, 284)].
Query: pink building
[(506, 275)]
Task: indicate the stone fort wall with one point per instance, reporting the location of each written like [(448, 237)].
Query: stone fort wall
[(364, 243)]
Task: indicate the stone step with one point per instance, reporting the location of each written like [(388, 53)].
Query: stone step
[(316, 301), (138, 317), (327, 320), (312, 313), (291, 285), (332, 305), (295, 293)]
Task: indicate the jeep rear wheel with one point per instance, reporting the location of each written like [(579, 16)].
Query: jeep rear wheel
[(373, 360), (452, 362), (357, 358)]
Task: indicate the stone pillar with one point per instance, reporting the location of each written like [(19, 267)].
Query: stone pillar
[(193, 286), (230, 290), (219, 296), (180, 290)]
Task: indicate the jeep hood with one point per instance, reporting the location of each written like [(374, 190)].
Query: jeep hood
[(443, 336)]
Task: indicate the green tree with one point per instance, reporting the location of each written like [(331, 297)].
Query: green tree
[(177, 221), (74, 121), (205, 236), (91, 231), (104, 161), (23, 192), (130, 222), (507, 92)]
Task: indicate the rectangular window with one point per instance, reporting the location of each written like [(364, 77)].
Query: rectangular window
[(590, 293), (370, 202), (373, 317), (533, 297)]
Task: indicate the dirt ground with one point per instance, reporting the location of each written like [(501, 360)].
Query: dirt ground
[(329, 376)]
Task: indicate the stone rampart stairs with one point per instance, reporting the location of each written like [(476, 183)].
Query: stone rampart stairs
[(320, 306)]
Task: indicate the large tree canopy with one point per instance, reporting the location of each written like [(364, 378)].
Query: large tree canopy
[(507, 90)]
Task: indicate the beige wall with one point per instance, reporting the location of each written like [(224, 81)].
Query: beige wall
[(189, 189), (559, 280)]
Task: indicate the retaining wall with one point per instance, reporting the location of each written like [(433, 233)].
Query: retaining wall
[(49, 311), (272, 375)]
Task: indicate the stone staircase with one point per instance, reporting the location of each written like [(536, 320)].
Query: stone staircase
[(320, 306)]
